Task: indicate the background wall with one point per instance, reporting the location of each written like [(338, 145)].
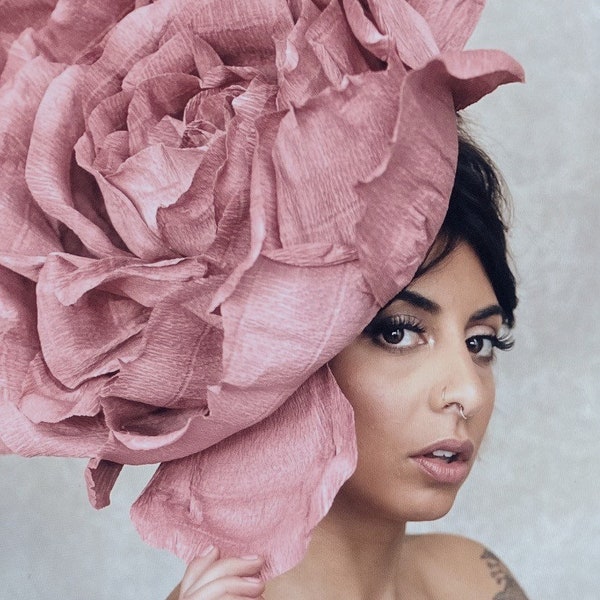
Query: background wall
[(534, 496)]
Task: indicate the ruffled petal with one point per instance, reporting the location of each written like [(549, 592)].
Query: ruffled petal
[(451, 21), (66, 35), (411, 187), (100, 477), (18, 340), (155, 178), (352, 127), (180, 359), (261, 491), (58, 125), (75, 437), (44, 399), (23, 228), (392, 29), (88, 338)]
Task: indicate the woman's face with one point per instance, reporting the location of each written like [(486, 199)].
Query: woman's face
[(422, 358)]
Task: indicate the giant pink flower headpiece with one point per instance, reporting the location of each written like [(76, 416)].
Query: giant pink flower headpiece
[(203, 201)]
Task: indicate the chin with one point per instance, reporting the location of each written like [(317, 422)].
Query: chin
[(430, 505), (422, 505)]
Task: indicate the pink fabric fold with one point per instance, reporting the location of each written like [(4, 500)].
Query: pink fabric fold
[(293, 464), (201, 204)]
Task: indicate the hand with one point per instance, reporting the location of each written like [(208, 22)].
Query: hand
[(210, 578)]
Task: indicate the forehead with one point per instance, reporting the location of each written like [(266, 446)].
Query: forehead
[(458, 278)]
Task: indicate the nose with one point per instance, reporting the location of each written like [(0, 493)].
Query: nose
[(460, 387)]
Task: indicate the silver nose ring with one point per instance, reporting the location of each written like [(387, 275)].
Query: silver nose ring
[(461, 408)]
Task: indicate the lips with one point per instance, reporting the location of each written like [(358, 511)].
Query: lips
[(446, 461)]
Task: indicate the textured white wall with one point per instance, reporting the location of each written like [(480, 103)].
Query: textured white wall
[(534, 496)]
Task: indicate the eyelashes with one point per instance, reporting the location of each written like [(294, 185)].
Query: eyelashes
[(399, 333), (396, 332), (504, 341)]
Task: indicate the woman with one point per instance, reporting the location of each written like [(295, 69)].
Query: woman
[(187, 170), (421, 384)]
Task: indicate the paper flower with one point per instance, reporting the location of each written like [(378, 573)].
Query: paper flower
[(203, 202)]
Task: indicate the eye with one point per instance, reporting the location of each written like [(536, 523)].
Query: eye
[(396, 332), (483, 346)]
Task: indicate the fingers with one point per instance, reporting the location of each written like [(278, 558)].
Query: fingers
[(210, 578)]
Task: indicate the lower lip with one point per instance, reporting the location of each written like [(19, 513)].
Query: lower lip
[(441, 471)]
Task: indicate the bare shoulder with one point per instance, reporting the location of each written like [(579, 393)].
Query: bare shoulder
[(458, 567)]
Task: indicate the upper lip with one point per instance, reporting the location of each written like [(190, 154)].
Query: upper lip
[(463, 448)]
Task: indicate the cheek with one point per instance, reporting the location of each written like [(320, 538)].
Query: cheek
[(382, 394), (482, 418)]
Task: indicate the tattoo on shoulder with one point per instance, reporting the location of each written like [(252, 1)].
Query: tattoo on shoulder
[(511, 589)]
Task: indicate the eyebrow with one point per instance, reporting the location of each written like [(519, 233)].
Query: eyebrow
[(424, 303), (417, 300), (487, 312)]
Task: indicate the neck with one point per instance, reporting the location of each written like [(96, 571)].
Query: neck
[(352, 555)]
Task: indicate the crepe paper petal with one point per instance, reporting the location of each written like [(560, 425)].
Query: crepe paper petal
[(451, 21), (17, 54), (261, 491), (140, 240), (143, 426), (299, 73), (4, 449), (267, 353), (365, 30), (156, 177), (352, 128), (67, 36), (263, 190), (162, 431), (412, 38), (240, 33), (27, 266), (174, 56), (49, 161), (133, 38), (16, 15), (88, 338), (44, 400), (333, 43), (318, 53), (113, 153), (100, 477), (235, 247), (181, 357), (108, 118), (311, 255), (147, 284), (18, 339), (152, 100), (392, 29), (23, 227), (476, 73), (74, 437), (420, 169), (189, 226)]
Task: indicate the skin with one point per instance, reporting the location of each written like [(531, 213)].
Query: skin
[(405, 387)]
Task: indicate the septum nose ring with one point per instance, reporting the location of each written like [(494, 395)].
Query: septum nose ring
[(461, 408)]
